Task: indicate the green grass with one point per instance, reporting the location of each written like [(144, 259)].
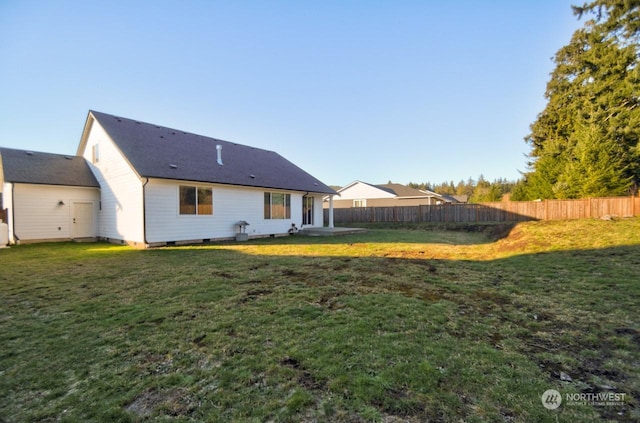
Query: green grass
[(395, 325)]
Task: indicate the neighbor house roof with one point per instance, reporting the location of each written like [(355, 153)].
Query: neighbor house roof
[(456, 198), (400, 191), (156, 151), (31, 167), (403, 191)]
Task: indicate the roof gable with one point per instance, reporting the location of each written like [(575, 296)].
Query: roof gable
[(360, 190), (159, 152), (30, 167), (403, 191)]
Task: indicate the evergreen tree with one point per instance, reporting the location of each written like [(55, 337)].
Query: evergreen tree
[(463, 188), (587, 140), (486, 191)]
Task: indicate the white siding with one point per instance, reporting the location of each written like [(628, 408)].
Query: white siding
[(121, 213), (38, 214), (360, 190), (230, 205)]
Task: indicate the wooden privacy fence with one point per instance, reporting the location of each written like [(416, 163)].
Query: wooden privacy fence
[(507, 211)]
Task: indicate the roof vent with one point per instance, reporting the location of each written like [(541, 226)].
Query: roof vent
[(29, 153), (173, 166), (219, 151), (252, 176)]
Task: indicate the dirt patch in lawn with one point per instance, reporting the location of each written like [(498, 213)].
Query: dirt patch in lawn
[(175, 402)]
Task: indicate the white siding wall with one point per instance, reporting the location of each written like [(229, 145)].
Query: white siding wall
[(121, 214), (230, 205), (360, 191), (38, 215)]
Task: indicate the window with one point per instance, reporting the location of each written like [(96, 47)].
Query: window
[(277, 205), (196, 200), (359, 203), (95, 154)]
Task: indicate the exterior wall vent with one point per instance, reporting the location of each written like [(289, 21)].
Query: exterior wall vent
[(219, 151)]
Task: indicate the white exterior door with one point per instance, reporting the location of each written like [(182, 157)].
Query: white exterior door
[(82, 225)]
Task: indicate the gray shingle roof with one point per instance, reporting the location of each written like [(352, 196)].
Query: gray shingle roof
[(159, 152), (31, 167), (401, 190)]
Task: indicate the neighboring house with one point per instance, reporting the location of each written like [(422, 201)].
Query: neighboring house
[(362, 194), (455, 199), (161, 186), (48, 197)]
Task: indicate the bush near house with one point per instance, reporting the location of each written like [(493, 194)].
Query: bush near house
[(393, 325)]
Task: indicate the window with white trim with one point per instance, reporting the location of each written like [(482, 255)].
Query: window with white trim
[(196, 200), (95, 153), (277, 205)]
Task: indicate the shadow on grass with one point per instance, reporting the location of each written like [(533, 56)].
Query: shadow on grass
[(453, 234), (212, 333)]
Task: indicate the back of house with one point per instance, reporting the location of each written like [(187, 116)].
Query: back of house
[(152, 185), (47, 197)]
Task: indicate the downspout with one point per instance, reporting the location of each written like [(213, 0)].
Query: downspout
[(144, 213)]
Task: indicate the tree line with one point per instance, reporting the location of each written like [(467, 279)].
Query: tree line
[(586, 142), (477, 191)]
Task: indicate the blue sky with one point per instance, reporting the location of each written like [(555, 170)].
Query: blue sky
[(407, 91)]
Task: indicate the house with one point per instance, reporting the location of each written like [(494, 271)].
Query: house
[(154, 185), (47, 197), (455, 199), (362, 194)]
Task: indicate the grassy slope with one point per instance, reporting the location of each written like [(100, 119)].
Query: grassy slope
[(393, 325)]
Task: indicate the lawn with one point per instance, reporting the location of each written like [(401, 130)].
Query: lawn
[(395, 325)]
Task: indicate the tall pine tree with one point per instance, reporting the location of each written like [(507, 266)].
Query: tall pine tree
[(586, 142)]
